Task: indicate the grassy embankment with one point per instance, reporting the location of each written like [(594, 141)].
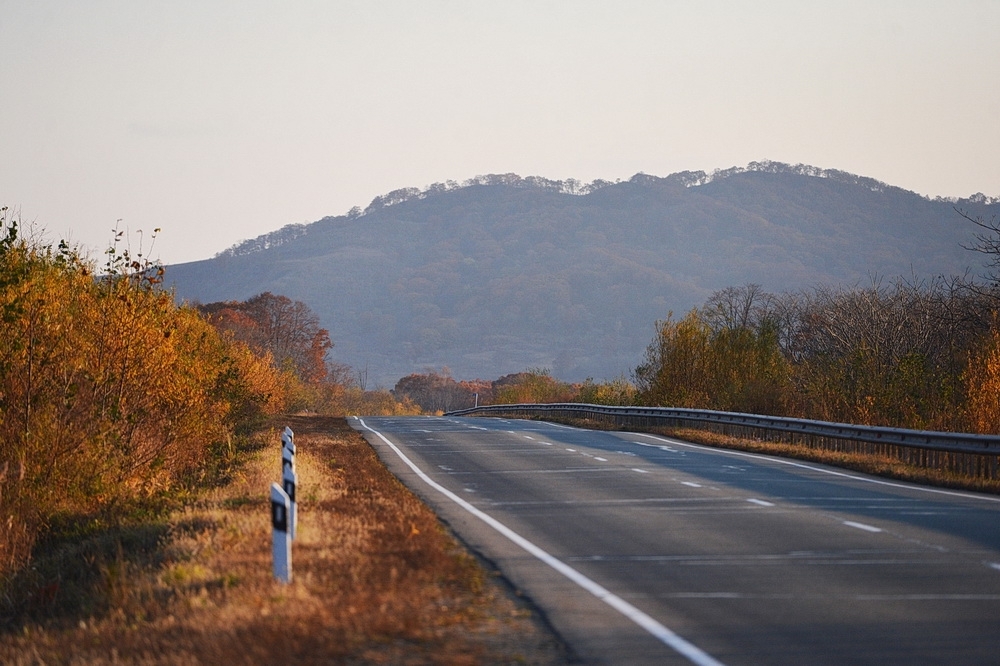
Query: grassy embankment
[(376, 578)]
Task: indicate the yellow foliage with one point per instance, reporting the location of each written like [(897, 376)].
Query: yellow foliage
[(109, 391), (983, 380)]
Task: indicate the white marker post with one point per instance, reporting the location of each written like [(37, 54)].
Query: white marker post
[(287, 436), (287, 458), (289, 479), (282, 539)]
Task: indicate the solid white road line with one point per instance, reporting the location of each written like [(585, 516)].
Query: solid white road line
[(690, 651), (862, 526)]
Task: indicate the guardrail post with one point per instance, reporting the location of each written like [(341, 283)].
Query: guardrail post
[(282, 540)]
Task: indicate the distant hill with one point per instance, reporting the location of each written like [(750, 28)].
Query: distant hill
[(503, 273)]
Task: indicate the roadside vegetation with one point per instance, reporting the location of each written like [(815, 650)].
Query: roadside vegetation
[(891, 353), (376, 578), (116, 401), (138, 438), (127, 420), (924, 355)]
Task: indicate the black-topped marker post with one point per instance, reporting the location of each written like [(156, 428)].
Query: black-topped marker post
[(289, 479), (282, 540)]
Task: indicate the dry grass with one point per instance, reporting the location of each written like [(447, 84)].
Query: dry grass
[(376, 580)]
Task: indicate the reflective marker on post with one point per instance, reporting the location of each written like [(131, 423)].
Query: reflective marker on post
[(280, 510), (289, 479), (288, 458)]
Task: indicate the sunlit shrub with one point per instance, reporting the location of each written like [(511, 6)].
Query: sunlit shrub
[(109, 391)]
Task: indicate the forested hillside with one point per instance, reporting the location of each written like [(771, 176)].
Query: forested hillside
[(503, 273)]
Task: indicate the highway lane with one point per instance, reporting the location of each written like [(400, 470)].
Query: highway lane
[(643, 549)]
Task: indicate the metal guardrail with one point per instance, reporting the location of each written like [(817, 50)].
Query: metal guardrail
[(668, 416)]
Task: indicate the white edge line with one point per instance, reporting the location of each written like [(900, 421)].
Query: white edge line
[(693, 653), (862, 526), (792, 463)]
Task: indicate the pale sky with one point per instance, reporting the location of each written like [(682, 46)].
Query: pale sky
[(220, 121)]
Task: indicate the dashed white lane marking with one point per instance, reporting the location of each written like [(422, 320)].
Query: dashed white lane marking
[(641, 471), (862, 526), (792, 463), (600, 458), (690, 651), (653, 446), (571, 450), (691, 484), (760, 502), (994, 565)]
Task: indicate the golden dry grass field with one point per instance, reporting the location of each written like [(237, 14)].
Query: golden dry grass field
[(376, 579)]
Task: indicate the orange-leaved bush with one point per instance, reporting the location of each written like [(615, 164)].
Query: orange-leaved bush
[(109, 391)]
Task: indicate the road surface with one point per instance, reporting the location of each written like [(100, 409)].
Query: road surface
[(645, 549)]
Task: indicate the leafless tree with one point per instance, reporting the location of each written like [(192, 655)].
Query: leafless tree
[(987, 240), (737, 307)]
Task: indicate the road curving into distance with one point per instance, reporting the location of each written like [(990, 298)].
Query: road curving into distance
[(642, 549)]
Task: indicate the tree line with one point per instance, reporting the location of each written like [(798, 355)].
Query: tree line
[(904, 354), (907, 354)]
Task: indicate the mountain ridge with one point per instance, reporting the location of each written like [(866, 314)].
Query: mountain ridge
[(572, 186), (502, 273)]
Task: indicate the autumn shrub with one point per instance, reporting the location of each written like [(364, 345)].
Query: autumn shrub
[(344, 400), (676, 368), (983, 385), (619, 391), (110, 393), (436, 392), (536, 385)]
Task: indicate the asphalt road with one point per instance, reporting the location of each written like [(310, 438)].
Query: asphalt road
[(643, 549)]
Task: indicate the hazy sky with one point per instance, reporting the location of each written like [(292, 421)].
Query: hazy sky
[(220, 121)]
